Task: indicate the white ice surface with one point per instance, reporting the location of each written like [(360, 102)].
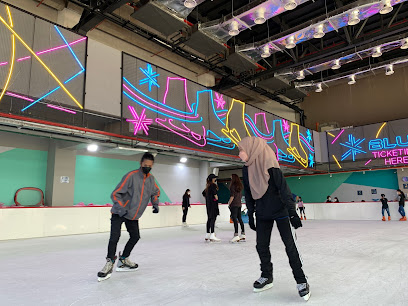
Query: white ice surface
[(347, 263)]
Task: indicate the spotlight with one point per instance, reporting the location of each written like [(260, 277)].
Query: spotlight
[(92, 147), (386, 8), (289, 4), (190, 4), (353, 18), (352, 80), (319, 88), (260, 16), (377, 52), (336, 64), (290, 42), (233, 28), (389, 70), (404, 44), (265, 51), (301, 75), (183, 160), (319, 33)]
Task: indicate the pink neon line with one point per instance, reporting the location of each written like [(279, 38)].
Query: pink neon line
[(61, 109), (264, 118), (305, 141), (334, 140), (160, 121), (277, 151), (185, 91), (157, 107), (367, 162), (256, 130), (18, 96), (3, 63), (23, 58)]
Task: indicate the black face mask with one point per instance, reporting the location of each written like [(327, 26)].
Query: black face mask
[(146, 170)]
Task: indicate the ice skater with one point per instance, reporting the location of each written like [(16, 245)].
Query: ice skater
[(235, 205), (211, 202), (336, 200), (130, 198), (186, 205), (401, 200), (301, 207), (328, 199), (385, 207), (267, 194)]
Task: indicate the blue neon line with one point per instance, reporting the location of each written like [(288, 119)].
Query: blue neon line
[(156, 111), (219, 139), (69, 47), (220, 146), (52, 91), (162, 104), (265, 135)]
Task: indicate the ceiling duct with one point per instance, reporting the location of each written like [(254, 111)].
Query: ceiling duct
[(182, 8)]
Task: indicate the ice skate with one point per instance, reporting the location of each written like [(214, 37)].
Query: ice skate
[(305, 218), (125, 265), (235, 239), (383, 218), (242, 238), (301, 218), (207, 237), (262, 284), (403, 218), (106, 271), (304, 291), (389, 218), (213, 238), (185, 224)]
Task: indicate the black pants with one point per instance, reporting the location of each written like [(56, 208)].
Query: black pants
[(132, 227), (185, 211), (211, 224), (287, 233), (236, 217)]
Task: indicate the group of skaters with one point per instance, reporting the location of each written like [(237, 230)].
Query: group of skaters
[(268, 200)]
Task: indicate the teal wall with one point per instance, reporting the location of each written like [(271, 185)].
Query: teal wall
[(22, 168), (316, 188), (96, 178)]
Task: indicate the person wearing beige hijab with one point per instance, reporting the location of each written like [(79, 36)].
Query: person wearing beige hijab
[(269, 197)]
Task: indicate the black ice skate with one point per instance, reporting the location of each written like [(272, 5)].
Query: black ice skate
[(125, 265), (263, 283), (304, 291), (106, 272)]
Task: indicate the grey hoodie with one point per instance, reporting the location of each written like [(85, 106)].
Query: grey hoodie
[(133, 193)]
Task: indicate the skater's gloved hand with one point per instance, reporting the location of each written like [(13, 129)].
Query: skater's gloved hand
[(155, 210), (251, 222), (295, 221)]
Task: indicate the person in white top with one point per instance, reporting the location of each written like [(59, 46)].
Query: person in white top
[(301, 209)]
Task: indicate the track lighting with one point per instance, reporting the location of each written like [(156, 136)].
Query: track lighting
[(289, 4), (389, 70), (336, 64), (354, 17), (377, 52), (233, 28), (290, 42), (260, 16), (319, 33), (352, 80), (265, 51), (386, 8), (92, 147), (190, 4), (319, 88), (404, 44), (301, 75)]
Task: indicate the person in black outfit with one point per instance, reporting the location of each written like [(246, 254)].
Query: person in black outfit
[(401, 200), (186, 205), (384, 202), (328, 199), (269, 197), (235, 205), (336, 200), (211, 202)]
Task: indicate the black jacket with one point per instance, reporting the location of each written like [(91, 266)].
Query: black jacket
[(186, 200), (402, 200), (384, 202), (276, 203)]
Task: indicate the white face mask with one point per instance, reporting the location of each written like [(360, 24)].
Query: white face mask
[(243, 156)]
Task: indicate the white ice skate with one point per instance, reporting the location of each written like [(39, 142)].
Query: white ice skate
[(235, 239), (304, 291), (125, 265), (185, 224), (106, 271), (213, 238), (262, 284), (207, 237), (242, 238)]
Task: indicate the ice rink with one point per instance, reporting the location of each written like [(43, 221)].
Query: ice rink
[(347, 263)]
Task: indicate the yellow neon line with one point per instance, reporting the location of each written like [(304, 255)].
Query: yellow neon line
[(42, 63), (337, 161), (379, 131), (228, 132), (294, 149), (13, 55), (331, 134)]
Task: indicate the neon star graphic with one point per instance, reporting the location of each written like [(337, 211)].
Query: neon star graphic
[(354, 146), (220, 100), (311, 161), (150, 77), (286, 126), (309, 136), (140, 122)]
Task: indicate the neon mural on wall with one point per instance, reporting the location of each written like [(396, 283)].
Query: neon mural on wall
[(10, 27), (225, 124)]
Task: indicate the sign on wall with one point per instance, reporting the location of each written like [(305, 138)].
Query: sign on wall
[(162, 106)]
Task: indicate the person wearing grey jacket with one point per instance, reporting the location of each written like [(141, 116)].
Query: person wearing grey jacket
[(130, 199)]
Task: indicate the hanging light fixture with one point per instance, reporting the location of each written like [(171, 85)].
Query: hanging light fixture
[(290, 42), (260, 16), (404, 44), (354, 17), (319, 88), (386, 7), (336, 64), (319, 33), (289, 4), (377, 52), (301, 75), (190, 4), (265, 51), (233, 28), (352, 80), (389, 70)]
